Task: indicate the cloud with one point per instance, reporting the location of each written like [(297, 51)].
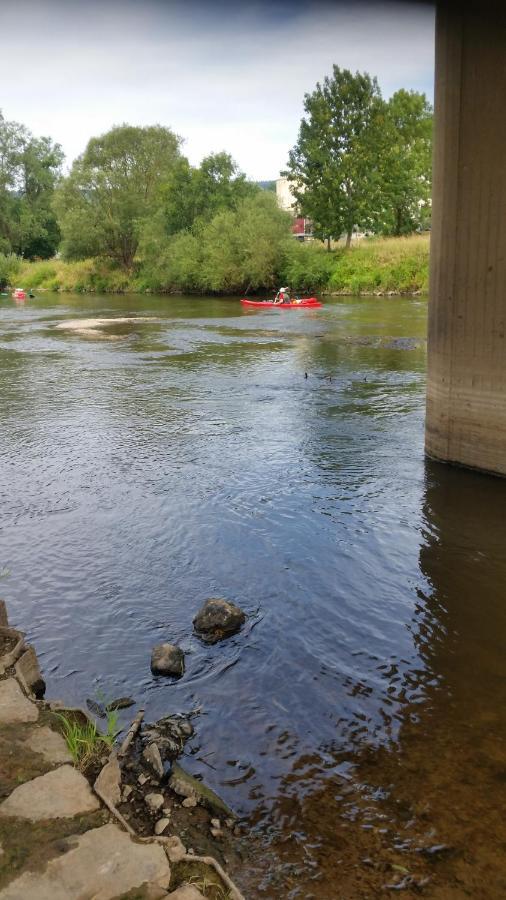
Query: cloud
[(222, 75)]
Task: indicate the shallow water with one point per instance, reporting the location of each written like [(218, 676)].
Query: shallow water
[(358, 719)]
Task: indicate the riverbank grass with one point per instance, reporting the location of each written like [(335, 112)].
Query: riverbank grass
[(85, 742)]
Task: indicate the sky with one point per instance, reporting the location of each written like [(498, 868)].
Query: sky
[(224, 76)]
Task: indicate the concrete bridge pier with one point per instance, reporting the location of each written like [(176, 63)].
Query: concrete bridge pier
[(466, 392)]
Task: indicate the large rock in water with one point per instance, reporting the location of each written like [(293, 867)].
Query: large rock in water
[(167, 659), (218, 619)]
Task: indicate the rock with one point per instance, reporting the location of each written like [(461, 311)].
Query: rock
[(218, 619), (161, 825), (154, 802), (167, 659), (142, 779), (49, 744), (167, 812), (96, 708), (175, 848), (120, 703), (29, 674), (127, 791), (187, 892), (152, 892), (215, 823), (14, 706), (4, 622), (108, 783), (216, 832), (62, 793), (151, 756), (186, 785), (13, 644), (189, 802), (103, 863)]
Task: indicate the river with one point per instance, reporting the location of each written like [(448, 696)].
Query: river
[(357, 721)]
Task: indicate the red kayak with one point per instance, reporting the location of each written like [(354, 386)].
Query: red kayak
[(304, 303)]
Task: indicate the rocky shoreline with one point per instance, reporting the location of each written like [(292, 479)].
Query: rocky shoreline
[(132, 824)]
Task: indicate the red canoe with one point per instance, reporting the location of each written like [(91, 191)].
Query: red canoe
[(305, 302)]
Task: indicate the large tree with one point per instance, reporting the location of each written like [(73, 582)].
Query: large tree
[(333, 167), (113, 189), (29, 170), (406, 163)]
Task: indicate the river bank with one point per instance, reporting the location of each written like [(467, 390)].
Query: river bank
[(110, 824), (376, 267)]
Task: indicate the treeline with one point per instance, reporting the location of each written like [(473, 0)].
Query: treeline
[(133, 214)]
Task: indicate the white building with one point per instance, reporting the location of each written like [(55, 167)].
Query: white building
[(284, 195)]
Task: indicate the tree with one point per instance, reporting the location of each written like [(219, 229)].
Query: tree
[(198, 193), (113, 189), (333, 166), (29, 170), (406, 164)]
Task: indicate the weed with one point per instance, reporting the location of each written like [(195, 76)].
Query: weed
[(84, 740)]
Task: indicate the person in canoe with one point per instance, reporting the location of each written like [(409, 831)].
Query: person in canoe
[(282, 296)]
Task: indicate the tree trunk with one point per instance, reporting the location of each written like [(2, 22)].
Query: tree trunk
[(348, 238), (328, 243)]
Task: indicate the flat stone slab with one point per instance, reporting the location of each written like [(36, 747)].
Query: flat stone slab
[(187, 892), (102, 863), (49, 744), (14, 706), (59, 794)]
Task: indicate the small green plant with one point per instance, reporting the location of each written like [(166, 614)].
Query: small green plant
[(209, 887), (84, 740)]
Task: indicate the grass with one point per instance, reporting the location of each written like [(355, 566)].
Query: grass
[(370, 266), (85, 742)]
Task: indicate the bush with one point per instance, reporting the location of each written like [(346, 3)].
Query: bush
[(10, 266)]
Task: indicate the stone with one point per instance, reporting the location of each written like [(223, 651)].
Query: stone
[(14, 706), (189, 802), (127, 791), (120, 703), (102, 864), (218, 619), (187, 892), (4, 622), (215, 832), (167, 659), (142, 779), (49, 744), (62, 793), (16, 640), (152, 892), (152, 758), (186, 785), (28, 672), (154, 802), (174, 848), (108, 783), (161, 825), (215, 823)]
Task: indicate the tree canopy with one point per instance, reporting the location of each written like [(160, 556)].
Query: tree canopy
[(360, 162), (29, 170), (113, 189)]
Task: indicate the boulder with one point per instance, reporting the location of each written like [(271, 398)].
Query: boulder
[(62, 793), (167, 659), (29, 674), (218, 619)]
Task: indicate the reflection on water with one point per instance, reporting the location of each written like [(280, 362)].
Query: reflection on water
[(357, 721)]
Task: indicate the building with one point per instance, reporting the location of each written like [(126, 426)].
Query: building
[(302, 228)]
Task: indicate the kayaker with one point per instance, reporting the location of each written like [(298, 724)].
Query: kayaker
[(283, 295)]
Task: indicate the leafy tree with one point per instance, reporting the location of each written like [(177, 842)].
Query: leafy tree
[(406, 164), (113, 188), (194, 194), (333, 167), (29, 170)]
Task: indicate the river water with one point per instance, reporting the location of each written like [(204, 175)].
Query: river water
[(357, 721)]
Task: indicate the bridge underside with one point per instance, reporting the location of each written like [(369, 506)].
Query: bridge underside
[(466, 393)]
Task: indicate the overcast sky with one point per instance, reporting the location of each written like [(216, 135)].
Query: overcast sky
[(225, 76)]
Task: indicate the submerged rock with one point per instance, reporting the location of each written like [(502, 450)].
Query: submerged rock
[(120, 703), (167, 659), (218, 619), (185, 785)]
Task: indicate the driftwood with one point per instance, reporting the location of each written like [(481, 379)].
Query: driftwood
[(132, 731)]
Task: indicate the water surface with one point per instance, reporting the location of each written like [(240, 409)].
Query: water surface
[(358, 719)]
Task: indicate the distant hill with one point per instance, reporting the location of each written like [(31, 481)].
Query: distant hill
[(266, 185)]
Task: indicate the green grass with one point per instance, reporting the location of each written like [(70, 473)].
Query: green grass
[(84, 740), (371, 266)]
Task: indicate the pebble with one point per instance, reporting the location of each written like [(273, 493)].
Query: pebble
[(127, 790), (161, 825), (189, 803), (142, 779), (215, 823), (154, 802), (216, 832)]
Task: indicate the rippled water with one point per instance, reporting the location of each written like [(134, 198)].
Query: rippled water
[(358, 719)]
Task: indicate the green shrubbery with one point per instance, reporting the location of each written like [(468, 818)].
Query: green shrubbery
[(10, 265)]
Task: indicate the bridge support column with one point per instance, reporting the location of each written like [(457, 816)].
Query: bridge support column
[(466, 391)]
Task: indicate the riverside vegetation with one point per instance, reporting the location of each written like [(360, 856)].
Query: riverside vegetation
[(132, 214)]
